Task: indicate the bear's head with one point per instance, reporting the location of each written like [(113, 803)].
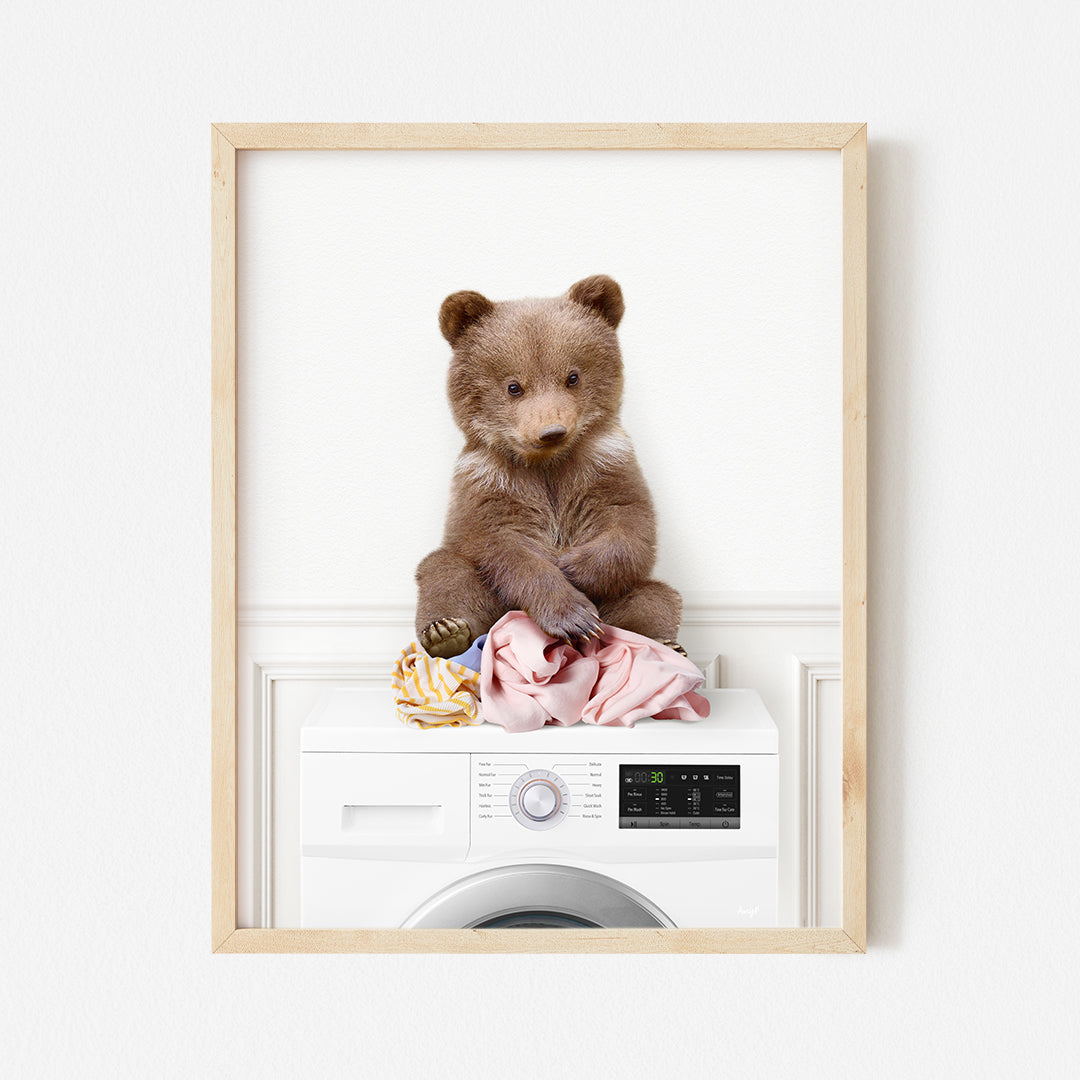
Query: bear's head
[(530, 378)]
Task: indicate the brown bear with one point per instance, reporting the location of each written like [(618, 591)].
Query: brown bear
[(549, 512)]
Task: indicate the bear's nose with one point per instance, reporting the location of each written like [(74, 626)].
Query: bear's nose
[(553, 435)]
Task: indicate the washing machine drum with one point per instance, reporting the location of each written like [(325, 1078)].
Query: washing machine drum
[(537, 895)]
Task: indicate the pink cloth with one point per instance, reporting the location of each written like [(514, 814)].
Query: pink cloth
[(528, 679)]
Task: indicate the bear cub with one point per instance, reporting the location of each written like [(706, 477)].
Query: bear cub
[(549, 512)]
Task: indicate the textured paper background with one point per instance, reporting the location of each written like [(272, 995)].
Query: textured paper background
[(104, 533)]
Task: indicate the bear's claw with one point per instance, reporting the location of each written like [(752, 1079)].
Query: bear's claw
[(446, 638), (574, 627), (676, 646)]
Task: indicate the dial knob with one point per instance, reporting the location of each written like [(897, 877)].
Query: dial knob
[(539, 799)]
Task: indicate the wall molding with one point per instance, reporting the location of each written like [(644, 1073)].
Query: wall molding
[(810, 672), (316, 612), (265, 671), (761, 609), (699, 610)]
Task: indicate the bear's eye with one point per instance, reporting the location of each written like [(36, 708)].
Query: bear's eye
[(572, 379), (514, 390)]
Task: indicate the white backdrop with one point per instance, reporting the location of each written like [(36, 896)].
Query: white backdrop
[(104, 436), (730, 266)]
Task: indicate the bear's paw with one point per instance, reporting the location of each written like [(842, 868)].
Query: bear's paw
[(573, 621), (446, 638)]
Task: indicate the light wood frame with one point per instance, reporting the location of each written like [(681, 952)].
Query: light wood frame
[(226, 140)]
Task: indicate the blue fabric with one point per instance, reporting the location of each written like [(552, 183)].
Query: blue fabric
[(470, 658)]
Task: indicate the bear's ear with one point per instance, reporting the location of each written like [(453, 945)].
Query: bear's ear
[(603, 295), (459, 311)]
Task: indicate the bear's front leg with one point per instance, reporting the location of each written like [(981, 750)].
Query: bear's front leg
[(524, 577), (608, 565), (652, 609), (454, 606)]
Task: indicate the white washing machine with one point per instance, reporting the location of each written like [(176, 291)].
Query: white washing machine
[(664, 824)]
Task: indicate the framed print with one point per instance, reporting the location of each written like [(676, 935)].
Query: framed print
[(682, 307)]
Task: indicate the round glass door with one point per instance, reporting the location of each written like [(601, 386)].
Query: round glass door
[(537, 896)]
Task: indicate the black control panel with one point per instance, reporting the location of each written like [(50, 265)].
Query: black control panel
[(678, 796)]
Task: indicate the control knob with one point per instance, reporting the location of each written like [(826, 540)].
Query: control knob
[(539, 799)]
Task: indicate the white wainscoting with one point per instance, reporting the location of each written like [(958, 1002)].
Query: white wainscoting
[(784, 645)]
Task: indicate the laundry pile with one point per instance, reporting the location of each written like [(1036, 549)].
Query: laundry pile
[(527, 679), (433, 692)]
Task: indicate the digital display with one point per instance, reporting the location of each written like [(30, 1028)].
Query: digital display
[(656, 776), (679, 796)]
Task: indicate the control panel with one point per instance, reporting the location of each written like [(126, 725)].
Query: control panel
[(679, 796), (623, 807), (535, 794)]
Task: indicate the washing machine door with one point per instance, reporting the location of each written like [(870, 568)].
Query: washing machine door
[(537, 895)]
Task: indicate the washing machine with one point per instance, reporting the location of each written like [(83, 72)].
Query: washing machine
[(666, 824)]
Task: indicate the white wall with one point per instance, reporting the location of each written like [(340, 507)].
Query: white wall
[(730, 266), (104, 310)]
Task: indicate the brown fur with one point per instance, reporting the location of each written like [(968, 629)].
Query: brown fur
[(558, 523)]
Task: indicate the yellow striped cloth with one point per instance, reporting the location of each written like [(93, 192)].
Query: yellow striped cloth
[(432, 692)]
